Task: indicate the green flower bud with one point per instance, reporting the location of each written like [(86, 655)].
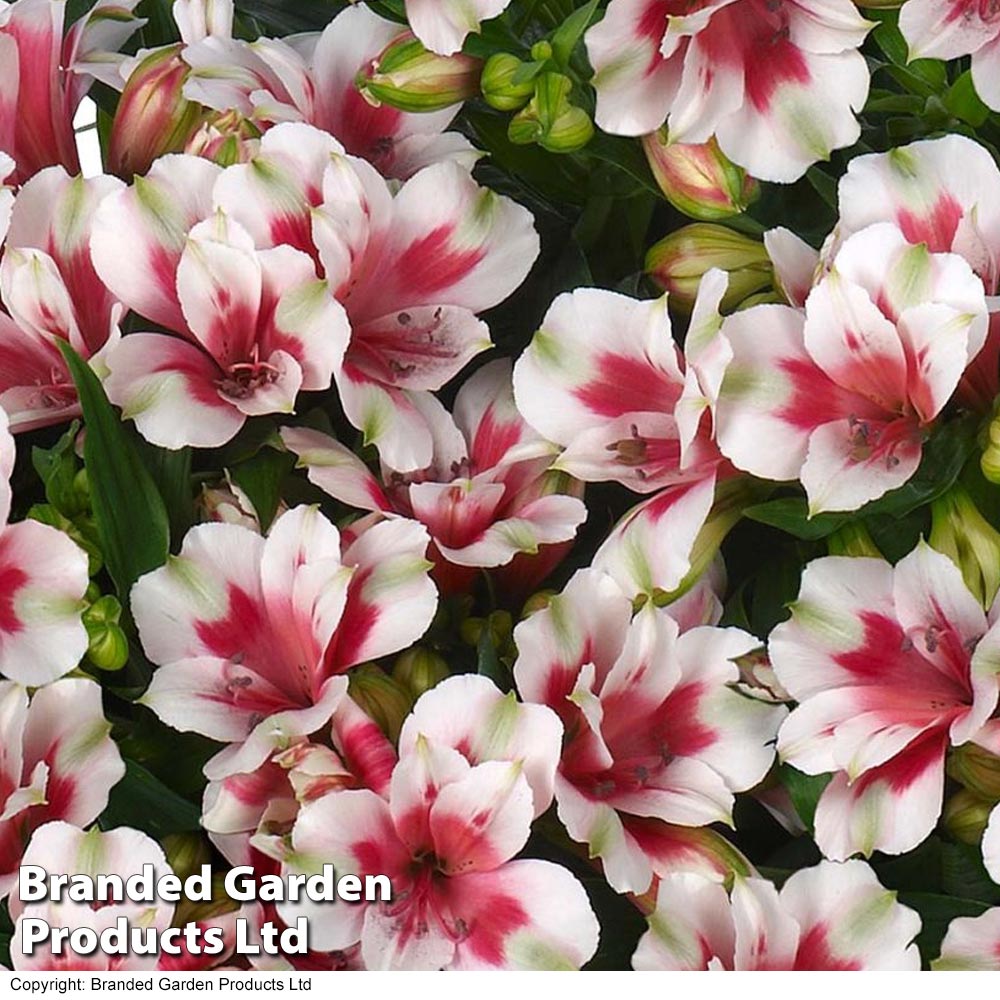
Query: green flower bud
[(418, 670), (961, 532), (990, 460), (976, 769), (108, 646), (498, 85), (966, 815), (852, 540), (383, 698), (550, 120), (678, 261), (699, 179), (409, 77), (537, 602), (186, 852)]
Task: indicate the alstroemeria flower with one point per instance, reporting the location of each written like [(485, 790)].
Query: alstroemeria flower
[(656, 736), (487, 495), (253, 327), (247, 813), (59, 762), (891, 666), (443, 25), (971, 944), (268, 81), (699, 67), (831, 918), (43, 77), (952, 211), (470, 714), (604, 379), (43, 579), (949, 29), (445, 838), (62, 848), (253, 635), (842, 396), (412, 269), (52, 292), (6, 194)]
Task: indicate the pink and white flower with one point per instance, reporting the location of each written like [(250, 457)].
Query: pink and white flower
[(62, 848), (656, 735), (43, 77), (6, 194), (971, 944), (59, 762), (43, 579), (253, 635), (890, 667), (270, 81), (831, 918), (253, 327), (412, 269), (917, 188), (446, 838), (842, 395), (949, 29), (699, 67), (52, 293), (486, 497), (443, 25)]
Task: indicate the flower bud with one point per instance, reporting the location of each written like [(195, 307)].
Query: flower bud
[(409, 77), (550, 120), (961, 532), (186, 853), (499, 85), (537, 602), (852, 540), (698, 179), (153, 116), (418, 670), (225, 138), (678, 262), (108, 646), (227, 503), (966, 815), (384, 699), (990, 460), (976, 769)]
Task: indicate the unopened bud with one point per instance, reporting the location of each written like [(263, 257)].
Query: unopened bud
[(418, 670), (108, 646), (852, 540), (550, 120), (502, 84), (961, 532), (153, 116), (225, 138), (409, 77), (382, 698), (678, 262), (537, 602), (186, 853), (990, 460), (699, 179), (976, 769), (966, 815)]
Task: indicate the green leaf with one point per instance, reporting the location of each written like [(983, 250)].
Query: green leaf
[(791, 514), (569, 33), (128, 509), (142, 801), (57, 468), (804, 791), (489, 662), (963, 101), (261, 478), (936, 913), (171, 471)]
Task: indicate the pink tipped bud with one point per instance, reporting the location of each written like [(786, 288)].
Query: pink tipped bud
[(699, 180), (409, 77), (678, 262), (153, 116)]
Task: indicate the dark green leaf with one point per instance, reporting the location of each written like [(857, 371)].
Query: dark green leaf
[(261, 478), (569, 33), (142, 801), (57, 468), (490, 665), (804, 791), (128, 509), (963, 101)]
